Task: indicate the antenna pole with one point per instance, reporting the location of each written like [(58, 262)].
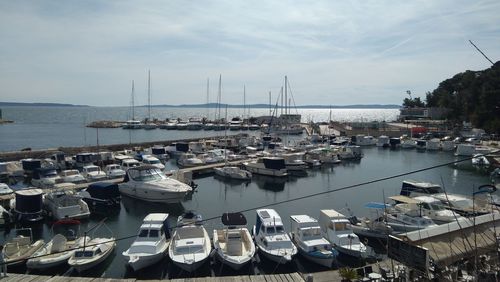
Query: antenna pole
[(481, 52)]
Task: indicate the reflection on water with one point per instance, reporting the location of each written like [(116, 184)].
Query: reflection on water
[(275, 184), (140, 209)]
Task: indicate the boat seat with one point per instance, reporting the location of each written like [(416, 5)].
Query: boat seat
[(11, 248), (233, 243), (58, 243), (22, 241)]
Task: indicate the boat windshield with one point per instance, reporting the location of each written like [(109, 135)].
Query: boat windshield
[(81, 254), (146, 174), (92, 169), (154, 161), (311, 232), (113, 167)]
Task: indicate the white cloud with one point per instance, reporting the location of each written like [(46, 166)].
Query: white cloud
[(334, 52)]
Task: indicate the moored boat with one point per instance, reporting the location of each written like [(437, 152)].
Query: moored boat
[(306, 235), (270, 237), (233, 245), (151, 243), (148, 183), (335, 228), (190, 246)]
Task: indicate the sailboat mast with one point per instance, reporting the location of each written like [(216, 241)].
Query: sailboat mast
[(244, 101), (208, 98), (133, 109), (269, 103), (149, 95), (219, 96), (286, 96)]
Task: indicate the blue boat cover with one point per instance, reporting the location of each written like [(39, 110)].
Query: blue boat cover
[(375, 205)]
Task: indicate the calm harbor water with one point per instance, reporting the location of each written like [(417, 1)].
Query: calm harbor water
[(52, 127), (214, 197)]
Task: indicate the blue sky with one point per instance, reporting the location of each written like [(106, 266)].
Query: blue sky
[(333, 52)]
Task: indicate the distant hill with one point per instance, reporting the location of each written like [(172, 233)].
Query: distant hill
[(40, 104), (266, 106)]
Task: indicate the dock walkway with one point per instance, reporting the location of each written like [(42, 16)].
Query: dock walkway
[(287, 277)]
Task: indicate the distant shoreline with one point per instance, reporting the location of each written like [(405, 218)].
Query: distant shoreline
[(210, 105)]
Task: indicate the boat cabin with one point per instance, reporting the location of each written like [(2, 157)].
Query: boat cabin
[(413, 188), (269, 223), (335, 221), (154, 226)]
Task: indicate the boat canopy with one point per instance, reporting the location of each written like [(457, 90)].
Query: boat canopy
[(375, 205), (274, 163), (236, 218), (103, 190), (404, 199)]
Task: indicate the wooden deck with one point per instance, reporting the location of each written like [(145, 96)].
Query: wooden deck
[(288, 277)]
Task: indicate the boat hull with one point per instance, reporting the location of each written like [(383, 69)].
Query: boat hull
[(152, 195), (275, 258), (232, 263), (144, 260), (190, 267), (323, 260)]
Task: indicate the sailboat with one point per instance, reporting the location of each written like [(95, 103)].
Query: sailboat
[(232, 172), (132, 123), (149, 124), (287, 123)]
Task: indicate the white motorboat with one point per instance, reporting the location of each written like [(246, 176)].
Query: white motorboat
[(154, 161), (92, 253), (72, 176), (58, 250), (480, 160), (362, 140), (272, 166), (447, 145), (271, 238), (190, 246), (433, 144), (335, 228), (5, 190), (465, 150), (114, 171), (408, 143), (148, 183), (427, 206), (306, 235), (45, 177), (233, 172), (21, 247), (151, 243), (402, 222), (189, 160), (128, 163), (132, 124), (374, 226), (383, 141), (63, 204), (233, 245), (350, 152), (93, 173)]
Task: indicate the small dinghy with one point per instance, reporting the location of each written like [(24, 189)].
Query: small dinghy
[(151, 244), (233, 245), (58, 250), (21, 247)]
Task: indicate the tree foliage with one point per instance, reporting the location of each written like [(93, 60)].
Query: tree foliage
[(411, 103), (472, 96)]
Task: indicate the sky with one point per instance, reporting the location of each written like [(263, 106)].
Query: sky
[(333, 52)]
